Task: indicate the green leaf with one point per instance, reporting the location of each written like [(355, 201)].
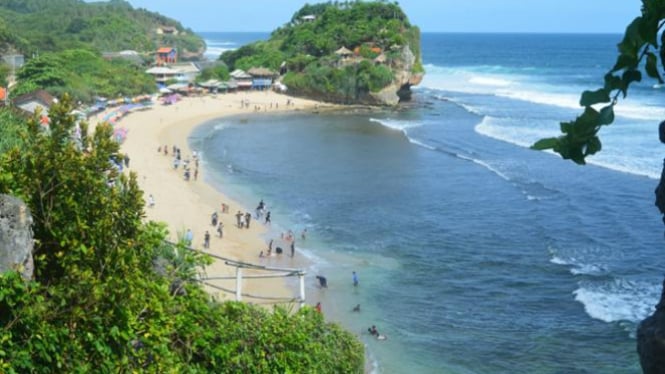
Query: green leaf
[(606, 115), (613, 82), (652, 67), (592, 146), (547, 143), (594, 97), (628, 77)]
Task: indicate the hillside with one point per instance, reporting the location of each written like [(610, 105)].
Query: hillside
[(342, 52), (32, 27)]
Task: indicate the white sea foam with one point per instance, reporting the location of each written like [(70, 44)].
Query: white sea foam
[(396, 124), (421, 144), (490, 81), (618, 300), (486, 166)]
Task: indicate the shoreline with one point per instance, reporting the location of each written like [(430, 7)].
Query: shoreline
[(183, 205)]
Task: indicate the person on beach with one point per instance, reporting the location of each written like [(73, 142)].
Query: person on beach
[(261, 254), (196, 173), (220, 230), (248, 219), (270, 247), (355, 279), (206, 240), (151, 201), (126, 159), (303, 234), (239, 216), (166, 150), (293, 248), (214, 218), (268, 218), (323, 282), (318, 307)]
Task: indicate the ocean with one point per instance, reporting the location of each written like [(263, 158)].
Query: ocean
[(475, 254)]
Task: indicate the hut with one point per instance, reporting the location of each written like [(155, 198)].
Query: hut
[(243, 80), (344, 52), (32, 101), (380, 59), (261, 78)]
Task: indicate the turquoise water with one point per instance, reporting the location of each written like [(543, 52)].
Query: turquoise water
[(475, 254)]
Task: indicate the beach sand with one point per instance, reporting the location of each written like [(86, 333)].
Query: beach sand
[(186, 205)]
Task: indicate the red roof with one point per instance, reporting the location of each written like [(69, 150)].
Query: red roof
[(165, 50)]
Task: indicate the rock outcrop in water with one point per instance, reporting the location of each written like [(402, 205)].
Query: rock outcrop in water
[(651, 339), (15, 236), (345, 53)]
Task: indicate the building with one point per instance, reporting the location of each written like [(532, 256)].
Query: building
[(242, 79), (308, 18), (167, 30), (261, 78), (32, 101), (166, 55), (182, 73)]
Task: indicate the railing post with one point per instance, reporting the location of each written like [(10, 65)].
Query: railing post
[(301, 278), (238, 284)]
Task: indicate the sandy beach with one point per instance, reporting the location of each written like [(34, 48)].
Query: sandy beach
[(189, 204)]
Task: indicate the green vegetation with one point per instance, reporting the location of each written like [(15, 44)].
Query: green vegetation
[(308, 46), (82, 74), (219, 72), (37, 26), (109, 295), (641, 50)]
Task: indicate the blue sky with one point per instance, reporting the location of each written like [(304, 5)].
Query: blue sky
[(597, 16)]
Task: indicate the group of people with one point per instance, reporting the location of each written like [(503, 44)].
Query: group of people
[(177, 160), (323, 283)]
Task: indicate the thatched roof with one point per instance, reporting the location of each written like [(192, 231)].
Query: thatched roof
[(343, 52), (261, 72), (240, 74), (380, 58)]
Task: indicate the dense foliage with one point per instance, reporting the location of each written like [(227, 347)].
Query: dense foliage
[(82, 74), (109, 295), (307, 47), (36, 26), (641, 50), (219, 72)]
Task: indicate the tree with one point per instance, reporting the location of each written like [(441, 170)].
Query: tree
[(642, 49), (103, 298)]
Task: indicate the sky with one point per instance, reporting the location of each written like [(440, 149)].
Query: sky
[(569, 16)]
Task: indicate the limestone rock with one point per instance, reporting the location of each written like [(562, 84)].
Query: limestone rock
[(16, 241), (651, 340)]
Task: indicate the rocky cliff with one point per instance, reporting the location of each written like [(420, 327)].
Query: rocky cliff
[(651, 339), (15, 236)]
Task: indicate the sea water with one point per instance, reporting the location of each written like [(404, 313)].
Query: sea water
[(475, 254)]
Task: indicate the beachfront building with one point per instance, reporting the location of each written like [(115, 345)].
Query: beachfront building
[(261, 78), (182, 73), (242, 79), (166, 55)]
